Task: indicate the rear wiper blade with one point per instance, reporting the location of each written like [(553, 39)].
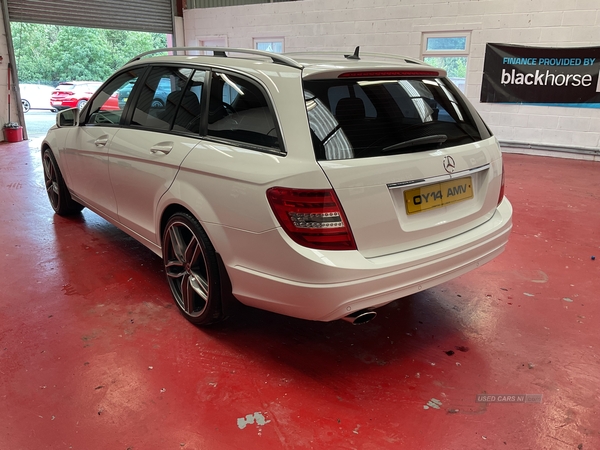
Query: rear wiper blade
[(433, 139)]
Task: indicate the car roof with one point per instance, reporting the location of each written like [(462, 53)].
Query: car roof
[(313, 65)]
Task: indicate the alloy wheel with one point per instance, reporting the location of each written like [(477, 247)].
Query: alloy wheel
[(186, 268), (51, 181)]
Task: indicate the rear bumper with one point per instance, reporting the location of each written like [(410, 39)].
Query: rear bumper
[(325, 285), (59, 106)]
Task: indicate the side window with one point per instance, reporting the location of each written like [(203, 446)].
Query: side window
[(188, 115), (107, 107), (162, 93), (239, 111)]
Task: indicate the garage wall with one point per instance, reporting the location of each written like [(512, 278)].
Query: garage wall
[(396, 26), (4, 83)]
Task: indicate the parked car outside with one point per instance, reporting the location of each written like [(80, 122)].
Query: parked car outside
[(160, 96), (319, 186), (35, 96), (73, 94)]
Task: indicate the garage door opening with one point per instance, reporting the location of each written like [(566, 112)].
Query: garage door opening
[(61, 66)]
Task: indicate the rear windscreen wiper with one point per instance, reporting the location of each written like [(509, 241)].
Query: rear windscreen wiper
[(433, 139)]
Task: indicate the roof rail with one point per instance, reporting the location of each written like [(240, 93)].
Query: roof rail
[(220, 51), (378, 55)]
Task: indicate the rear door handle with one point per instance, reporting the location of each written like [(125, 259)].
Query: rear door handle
[(163, 147)]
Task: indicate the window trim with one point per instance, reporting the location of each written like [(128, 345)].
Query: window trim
[(203, 134)]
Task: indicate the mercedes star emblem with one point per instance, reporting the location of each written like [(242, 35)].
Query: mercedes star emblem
[(449, 164)]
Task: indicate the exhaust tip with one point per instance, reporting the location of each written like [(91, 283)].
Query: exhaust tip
[(360, 317)]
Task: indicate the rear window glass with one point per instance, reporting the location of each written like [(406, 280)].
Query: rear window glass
[(370, 118), (65, 87)]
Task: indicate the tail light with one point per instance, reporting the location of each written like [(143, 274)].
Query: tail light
[(312, 217), (501, 196)]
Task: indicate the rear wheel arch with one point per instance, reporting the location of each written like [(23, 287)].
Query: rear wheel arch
[(192, 265), (167, 213)]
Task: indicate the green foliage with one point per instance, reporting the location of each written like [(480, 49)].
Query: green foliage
[(48, 54), (456, 66)]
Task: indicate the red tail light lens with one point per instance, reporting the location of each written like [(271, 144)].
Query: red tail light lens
[(312, 217), (501, 196)]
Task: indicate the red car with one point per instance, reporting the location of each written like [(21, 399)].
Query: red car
[(73, 94)]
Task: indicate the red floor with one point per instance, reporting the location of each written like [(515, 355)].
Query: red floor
[(94, 355)]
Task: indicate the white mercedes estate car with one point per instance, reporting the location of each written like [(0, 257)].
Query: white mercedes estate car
[(319, 186)]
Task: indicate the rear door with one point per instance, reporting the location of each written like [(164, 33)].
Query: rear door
[(409, 158), (146, 155)]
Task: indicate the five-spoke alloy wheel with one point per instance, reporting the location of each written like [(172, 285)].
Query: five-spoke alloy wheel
[(191, 268), (58, 194)]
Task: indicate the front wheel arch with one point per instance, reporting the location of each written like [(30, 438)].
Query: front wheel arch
[(56, 188)]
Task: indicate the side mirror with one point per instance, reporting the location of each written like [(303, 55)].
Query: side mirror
[(68, 118)]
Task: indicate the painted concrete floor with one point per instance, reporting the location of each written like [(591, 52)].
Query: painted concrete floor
[(94, 354)]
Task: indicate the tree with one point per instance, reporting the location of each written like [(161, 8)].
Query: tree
[(48, 54), (456, 66)]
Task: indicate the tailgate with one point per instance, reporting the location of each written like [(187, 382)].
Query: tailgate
[(401, 202)]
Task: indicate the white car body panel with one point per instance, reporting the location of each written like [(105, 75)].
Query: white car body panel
[(86, 157), (142, 166), (37, 95)]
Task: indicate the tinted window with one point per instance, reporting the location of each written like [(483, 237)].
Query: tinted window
[(188, 114), (368, 118), (107, 106), (239, 111), (164, 90)]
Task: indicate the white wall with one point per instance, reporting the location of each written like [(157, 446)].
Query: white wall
[(396, 26)]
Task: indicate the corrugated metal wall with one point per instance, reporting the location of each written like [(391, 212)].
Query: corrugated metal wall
[(134, 15), (192, 4)]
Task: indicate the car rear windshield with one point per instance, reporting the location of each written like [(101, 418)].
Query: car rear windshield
[(65, 87), (371, 118)]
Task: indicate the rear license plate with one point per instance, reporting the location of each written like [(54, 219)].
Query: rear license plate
[(436, 195)]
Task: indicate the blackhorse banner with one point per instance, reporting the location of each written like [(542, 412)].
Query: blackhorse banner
[(559, 76)]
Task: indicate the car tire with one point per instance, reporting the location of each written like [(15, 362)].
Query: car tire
[(81, 104), (58, 193), (192, 270), (26, 105)]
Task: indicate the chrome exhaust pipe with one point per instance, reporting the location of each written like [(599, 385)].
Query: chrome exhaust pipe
[(360, 317)]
